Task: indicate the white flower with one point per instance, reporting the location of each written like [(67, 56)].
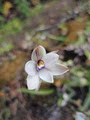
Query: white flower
[(43, 66), (80, 116)]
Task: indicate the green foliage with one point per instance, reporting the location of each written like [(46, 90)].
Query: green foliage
[(87, 101), (58, 38), (81, 40), (88, 77), (78, 77), (1, 18), (59, 102), (63, 27), (87, 53), (5, 112), (11, 27), (6, 48), (36, 10), (81, 77), (87, 29), (33, 92), (23, 7), (1, 6)]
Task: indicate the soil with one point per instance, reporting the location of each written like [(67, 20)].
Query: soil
[(12, 75)]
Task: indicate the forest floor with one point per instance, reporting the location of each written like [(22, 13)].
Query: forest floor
[(62, 25)]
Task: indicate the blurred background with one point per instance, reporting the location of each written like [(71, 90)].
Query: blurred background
[(62, 25)]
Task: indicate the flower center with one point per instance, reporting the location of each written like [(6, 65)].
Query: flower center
[(40, 64)]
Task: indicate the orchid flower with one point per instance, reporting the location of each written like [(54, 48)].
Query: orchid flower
[(42, 67)]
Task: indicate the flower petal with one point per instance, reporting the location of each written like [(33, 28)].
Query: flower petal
[(46, 75), (33, 82), (58, 69), (55, 51), (30, 68), (50, 59), (38, 53)]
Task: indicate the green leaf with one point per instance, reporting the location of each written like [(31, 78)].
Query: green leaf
[(33, 92), (87, 101), (87, 29), (87, 53), (81, 40), (11, 27), (63, 27), (58, 38), (77, 71), (88, 77), (59, 102), (23, 7), (6, 48)]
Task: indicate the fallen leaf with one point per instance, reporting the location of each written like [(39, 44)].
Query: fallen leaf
[(6, 8), (59, 82), (1, 94)]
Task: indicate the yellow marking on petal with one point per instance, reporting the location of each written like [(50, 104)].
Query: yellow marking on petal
[(40, 64)]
